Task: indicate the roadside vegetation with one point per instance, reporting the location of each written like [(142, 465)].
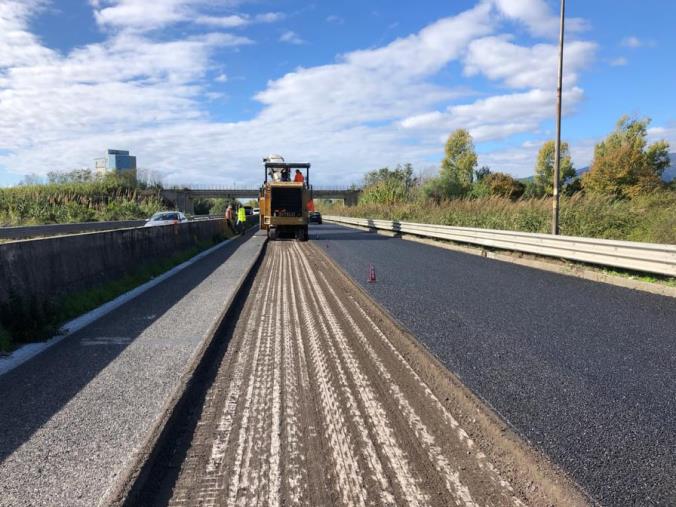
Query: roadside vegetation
[(622, 196), (78, 196)]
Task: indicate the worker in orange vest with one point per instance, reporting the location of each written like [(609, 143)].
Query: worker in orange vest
[(298, 177)]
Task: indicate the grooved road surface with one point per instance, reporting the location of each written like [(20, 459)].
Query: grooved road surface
[(319, 401), (585, 371)]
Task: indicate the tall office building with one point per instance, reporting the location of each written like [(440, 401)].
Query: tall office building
[(116, 160)]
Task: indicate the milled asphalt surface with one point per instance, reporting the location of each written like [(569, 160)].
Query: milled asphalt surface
[(321, 400), (585, 371), (72, 418)]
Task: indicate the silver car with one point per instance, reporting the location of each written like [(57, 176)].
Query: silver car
[(166, 218)]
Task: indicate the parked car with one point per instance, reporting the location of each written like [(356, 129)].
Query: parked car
[(315, 217), (256, 211), (166, 218)]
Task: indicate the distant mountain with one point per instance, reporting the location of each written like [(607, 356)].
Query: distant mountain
[(669, 173)]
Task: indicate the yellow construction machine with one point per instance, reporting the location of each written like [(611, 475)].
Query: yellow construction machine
[(283, 202)]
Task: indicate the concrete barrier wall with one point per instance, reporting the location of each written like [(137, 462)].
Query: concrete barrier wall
[(50, 267)]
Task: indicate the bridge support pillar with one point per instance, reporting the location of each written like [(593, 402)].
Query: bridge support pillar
[(351, 199)]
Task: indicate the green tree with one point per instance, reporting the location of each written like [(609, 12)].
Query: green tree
[(388, 186), (481, 173), (544, 167), (460, 161), (401, 174), (74, 176), (504, 185), (498, 184), (457, 169), (624, 165)]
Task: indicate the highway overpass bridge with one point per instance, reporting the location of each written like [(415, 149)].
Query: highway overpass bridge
[(184, 198)]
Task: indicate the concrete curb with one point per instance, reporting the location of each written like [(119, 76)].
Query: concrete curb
[(30, 350), (552, 266), (124, 487)]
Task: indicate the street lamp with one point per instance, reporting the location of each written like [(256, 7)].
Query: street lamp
[(557, 148)]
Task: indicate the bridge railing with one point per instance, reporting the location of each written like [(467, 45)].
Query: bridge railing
[(252, 188), (645, 257)]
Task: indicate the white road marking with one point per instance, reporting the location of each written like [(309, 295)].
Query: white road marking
[(106, 340)]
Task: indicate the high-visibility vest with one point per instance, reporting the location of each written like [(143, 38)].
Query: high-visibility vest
[(241, 214)]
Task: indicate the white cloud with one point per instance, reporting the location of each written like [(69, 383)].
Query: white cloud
[(619, 62), (137, 14), (538, 17), (17, 45), (291, 37), (338, 20), (141, 15), (238, 20), (369, 108), (526, 67), (496, 117), (634, 42), (666, 132), (221, 78)]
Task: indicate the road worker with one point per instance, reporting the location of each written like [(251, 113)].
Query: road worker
[(298, 177), (241, 219), (230, 217)]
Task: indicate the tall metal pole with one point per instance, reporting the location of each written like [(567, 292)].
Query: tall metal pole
[(557, 148)]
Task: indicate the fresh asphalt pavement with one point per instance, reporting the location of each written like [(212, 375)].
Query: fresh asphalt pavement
[(585, 371)]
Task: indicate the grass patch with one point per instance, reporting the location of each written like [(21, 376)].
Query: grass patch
[(669, 281), (35, 320)]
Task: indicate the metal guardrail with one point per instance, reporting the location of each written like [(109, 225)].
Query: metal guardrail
[(646, 257)]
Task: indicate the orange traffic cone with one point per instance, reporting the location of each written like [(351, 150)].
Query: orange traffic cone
[(372, 274)]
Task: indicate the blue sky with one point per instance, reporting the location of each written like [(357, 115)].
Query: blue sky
[(201, 90)]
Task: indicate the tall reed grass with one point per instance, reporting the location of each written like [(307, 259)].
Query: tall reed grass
[(649, 218), (106, 199)]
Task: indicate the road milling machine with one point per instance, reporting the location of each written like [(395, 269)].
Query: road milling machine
[(284, 199)]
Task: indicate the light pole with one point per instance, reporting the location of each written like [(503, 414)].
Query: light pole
[(557, 148)]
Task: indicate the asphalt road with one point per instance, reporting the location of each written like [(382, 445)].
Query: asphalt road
[(320, 399), (585, 371)]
